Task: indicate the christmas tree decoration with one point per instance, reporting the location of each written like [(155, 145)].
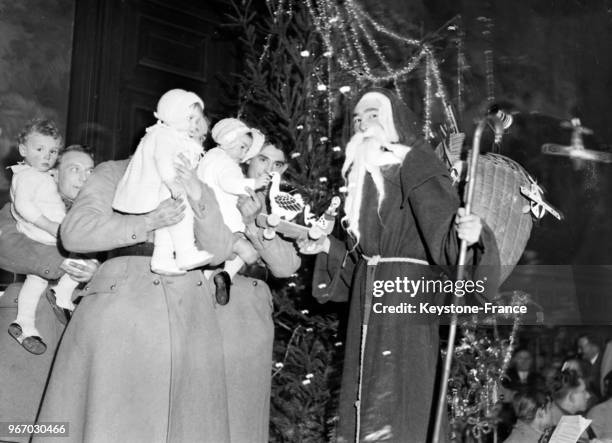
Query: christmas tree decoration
[(480, 361)]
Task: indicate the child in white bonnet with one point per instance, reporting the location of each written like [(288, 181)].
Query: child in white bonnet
[(151, 178), (220, 169)]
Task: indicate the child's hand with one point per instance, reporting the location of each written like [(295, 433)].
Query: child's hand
[(307, 246), (80, 270), (47, 225), (262, 181), (249, 206)]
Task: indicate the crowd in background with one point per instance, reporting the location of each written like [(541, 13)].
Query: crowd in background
[(534, 400)]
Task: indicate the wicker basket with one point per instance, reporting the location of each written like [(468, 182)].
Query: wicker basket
[(499, 202)]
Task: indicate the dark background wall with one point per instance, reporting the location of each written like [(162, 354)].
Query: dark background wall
[(35, 58), (550, 56), (552, 61)]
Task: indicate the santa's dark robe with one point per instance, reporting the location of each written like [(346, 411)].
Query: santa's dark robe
[(416, 220)]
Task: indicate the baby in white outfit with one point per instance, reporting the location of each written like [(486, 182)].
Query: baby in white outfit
[(220, 169), (151, 178)]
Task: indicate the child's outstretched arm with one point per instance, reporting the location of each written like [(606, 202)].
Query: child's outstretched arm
[(232, 181)]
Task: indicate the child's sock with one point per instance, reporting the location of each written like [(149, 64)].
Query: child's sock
[(63, 292), (33, 287), (233, 266)]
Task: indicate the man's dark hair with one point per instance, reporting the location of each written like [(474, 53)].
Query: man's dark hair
[(75, 148), (589, 338), (40, 126), (563, 383), (527, 403)]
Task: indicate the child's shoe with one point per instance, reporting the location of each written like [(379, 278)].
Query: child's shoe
[(222, 287), (31, 343), (63, 315)]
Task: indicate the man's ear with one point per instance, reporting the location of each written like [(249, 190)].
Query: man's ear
[(22, 150)]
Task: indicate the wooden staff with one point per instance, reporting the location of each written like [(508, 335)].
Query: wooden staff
[(471, 178)]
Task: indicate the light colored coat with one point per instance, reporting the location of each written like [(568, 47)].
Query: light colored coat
[(23, 375), (142, 357), (248, 335)]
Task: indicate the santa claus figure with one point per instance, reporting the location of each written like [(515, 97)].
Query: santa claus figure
[(404, 224)]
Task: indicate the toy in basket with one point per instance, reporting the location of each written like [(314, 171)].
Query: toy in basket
[(285, 207), (505, 196)]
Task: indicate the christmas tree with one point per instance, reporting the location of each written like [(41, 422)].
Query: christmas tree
[(282, 91)]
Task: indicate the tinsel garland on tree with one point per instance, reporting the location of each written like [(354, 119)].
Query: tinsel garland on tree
[(282, 90), (481, 359)]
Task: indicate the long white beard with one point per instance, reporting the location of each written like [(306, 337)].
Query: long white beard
[(365, 154)]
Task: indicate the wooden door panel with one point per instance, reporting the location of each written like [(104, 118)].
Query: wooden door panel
[(142, 49), (170, 49), (135, 114)]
